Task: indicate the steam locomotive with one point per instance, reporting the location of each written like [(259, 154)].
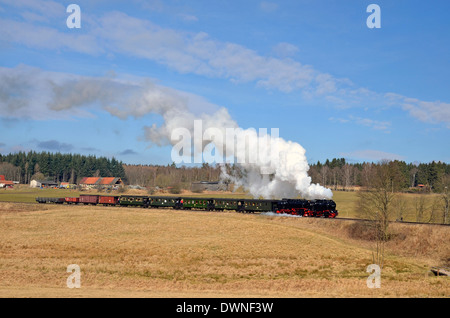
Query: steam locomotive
[(300, 207)]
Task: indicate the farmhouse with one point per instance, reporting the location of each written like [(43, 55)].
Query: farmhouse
[(5, 183), (102, 183), (43, 184)]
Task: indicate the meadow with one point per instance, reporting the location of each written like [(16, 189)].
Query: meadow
[(133, 252)]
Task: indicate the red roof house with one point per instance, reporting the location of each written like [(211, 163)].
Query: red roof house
[(109, 182), (5, 183)]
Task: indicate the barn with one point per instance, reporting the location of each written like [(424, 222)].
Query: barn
[(43, 184), (101, 183), (5, 183)]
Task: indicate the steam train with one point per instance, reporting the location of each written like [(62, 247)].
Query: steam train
[(300, 207)]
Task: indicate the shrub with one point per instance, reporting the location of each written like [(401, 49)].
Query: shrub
[(175, 189)]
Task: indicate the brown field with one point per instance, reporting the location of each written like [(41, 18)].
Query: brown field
[(132, 252)]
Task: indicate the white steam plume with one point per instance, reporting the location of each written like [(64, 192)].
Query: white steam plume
[(270, 167)]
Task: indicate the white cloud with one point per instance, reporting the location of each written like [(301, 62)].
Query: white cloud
[(284, 49), (426, 111), (374, 124), (188, 17), (44, 37), (185, 52), (268, 6), (197, 53), (29, 92), (372, 155), (47, 9)]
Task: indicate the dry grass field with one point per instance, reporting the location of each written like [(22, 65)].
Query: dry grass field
[(132, 252)]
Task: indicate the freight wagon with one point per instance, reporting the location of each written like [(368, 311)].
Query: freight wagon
[(89, 199), (50, 200), (108, 200), (72, 200)]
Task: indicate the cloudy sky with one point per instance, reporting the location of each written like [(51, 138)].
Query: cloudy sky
[(313, 69)]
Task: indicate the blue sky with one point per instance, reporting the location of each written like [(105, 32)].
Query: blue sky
[(313, 69)]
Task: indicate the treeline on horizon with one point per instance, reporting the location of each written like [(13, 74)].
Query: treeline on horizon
[(337, 174), (57, 167), (340, 174)]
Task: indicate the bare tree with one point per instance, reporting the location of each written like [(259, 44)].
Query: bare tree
[(324, 174), (375, 206), (413, 173), (420, 207), (335, 172), (10, 171), (400, 207), (366, 173), (435, 206), (347, 172)]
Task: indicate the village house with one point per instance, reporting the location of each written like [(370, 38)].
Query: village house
[(101, 183), (43, 184), (5, 183)]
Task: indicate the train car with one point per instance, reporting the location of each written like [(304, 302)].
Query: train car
[(225, 204), (254, 205), (164, 202), (89, 199), (134, 201), (198, 203), (72, 200), (50, 200), (108, 200)]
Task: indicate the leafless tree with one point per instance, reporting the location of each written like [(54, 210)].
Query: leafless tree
[(335, 172), (400, 207), (420, 207), (10, 171), (413, 173), (366, 174), (434, 213), (375, 205), (347, 172), (324, 174)]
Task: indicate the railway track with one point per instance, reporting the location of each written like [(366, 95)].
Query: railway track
[(396, 222)]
